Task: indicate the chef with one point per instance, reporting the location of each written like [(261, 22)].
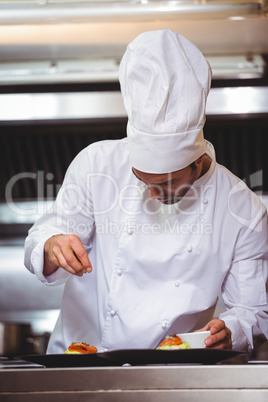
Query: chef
[(147, 231)]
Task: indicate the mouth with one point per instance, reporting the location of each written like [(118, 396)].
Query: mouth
[(170, 200), (165, 200), (162, 199)]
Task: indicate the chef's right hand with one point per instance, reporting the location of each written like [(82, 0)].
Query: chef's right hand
[(68, 252)]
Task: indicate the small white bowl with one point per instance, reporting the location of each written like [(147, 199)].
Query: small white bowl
[(196, 339)]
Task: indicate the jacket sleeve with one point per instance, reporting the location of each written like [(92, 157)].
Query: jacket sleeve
[(71, 213), (244, 289)]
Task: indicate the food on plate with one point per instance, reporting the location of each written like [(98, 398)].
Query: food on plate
[(173, 342), (76, 348)]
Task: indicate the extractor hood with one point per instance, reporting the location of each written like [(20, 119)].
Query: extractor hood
[(57, 41), (55, 11), (106, 70)]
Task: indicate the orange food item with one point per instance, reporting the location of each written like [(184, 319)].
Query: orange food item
[(81, 347), (171, 340)]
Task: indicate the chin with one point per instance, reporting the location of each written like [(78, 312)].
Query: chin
[(170, 201)]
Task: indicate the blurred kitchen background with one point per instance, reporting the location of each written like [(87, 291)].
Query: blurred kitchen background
[(59, 92)]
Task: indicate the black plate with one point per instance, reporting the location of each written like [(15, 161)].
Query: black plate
[(65, 360), (185, 356), (259, 355), (133, 357)]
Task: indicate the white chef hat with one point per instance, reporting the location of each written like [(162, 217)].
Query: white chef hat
[(164, 81)]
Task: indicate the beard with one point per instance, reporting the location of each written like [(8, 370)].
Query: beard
[(169, 198)]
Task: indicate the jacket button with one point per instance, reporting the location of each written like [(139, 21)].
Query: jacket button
[(113, 313), (119, 272), (177, 284), (164, 325), (189, 248), (205, 201), (130, 232)]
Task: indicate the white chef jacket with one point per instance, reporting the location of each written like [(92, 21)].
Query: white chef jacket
[(157, 269)]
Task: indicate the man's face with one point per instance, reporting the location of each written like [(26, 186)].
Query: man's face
[(169, 188)]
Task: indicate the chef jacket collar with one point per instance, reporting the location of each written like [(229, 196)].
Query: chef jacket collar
[(210, 151)]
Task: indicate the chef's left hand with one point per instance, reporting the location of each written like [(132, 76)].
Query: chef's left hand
[(220, 337)]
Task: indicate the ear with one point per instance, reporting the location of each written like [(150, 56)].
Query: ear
[(200, 160)]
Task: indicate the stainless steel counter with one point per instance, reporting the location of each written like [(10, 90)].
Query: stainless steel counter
[(154, 383)]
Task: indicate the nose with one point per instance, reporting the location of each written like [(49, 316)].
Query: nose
[(154, 191)]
